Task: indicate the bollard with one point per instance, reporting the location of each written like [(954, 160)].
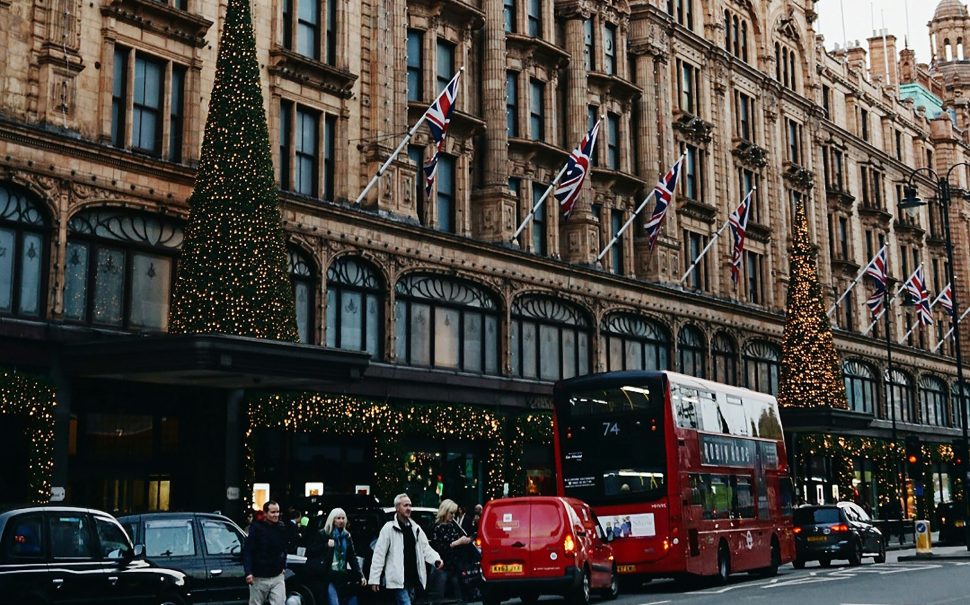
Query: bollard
[(924, 543)]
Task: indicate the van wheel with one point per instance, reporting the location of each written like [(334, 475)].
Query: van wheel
[(613, 590), (723, 565), (582, 594)]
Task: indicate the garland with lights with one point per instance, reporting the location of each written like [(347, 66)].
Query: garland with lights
[(527, 429), (811, 375), (387, 424), (233, 274), (32, 399)]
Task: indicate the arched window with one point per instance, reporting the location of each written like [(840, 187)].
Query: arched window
[(861, 387), (958, 402), (725, 356), (355, 306), (446, 323), (23, 237), (761, 363), (120, 268), (549, 338), (304, 293), (693, 352), (900, 397), (633, 342), (932, 400)]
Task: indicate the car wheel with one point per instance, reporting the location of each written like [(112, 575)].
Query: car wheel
[(826, 562), (881, 557), (855, 557), (723, 564), (172, 599), (613, 590), (798, 564), (582, 594), (304, 592)]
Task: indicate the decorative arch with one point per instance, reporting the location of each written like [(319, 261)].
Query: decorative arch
[(692, 351), (901, 402), (549, 337), (25, 236), (724, 356), (303, 275), (355, 304), (446, 322), (762, 362), (635, 342), (861, 385)]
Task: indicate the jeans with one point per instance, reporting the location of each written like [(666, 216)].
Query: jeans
[(333, 596), (402, 596)]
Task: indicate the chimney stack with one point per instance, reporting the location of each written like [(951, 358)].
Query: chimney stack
[(882, 58)]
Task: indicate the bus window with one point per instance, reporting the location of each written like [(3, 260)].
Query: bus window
[(787, 493), (743, 498), (685, 404)]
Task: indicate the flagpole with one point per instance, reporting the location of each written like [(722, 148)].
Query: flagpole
[(852, 285), (394, 154), (545, 194), (950, 331), (704, 251), (917, 322), (899, 290), (619, 233)]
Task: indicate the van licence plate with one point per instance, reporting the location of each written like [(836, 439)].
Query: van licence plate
[(626, 568), (507, 568), (816, 538), (959, 524)]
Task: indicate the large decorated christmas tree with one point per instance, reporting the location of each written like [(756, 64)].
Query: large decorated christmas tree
[(233, 273), (811, 375)]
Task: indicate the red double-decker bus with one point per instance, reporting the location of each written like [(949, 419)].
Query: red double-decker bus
[(687, 476)]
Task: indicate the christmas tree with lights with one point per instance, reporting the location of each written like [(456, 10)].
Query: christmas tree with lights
[(233, 273), (811, 375)]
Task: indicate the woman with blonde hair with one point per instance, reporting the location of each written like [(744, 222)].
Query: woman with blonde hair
[(451, 542), (339, 560)]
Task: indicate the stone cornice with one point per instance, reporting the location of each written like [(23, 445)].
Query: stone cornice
[(310, 72), (160, 18)]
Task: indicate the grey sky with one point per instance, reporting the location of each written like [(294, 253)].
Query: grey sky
[(860, 15)]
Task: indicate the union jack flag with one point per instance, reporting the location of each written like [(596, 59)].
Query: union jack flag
[(876, 302), (915, 288), (438, 117), (945, 299), (739, 225), (577, 167), (664, 193), (876, 269)]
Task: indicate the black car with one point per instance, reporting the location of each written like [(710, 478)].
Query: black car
[(836, 531), (208, 548), (60, 554), (365, 518), (952, 521)]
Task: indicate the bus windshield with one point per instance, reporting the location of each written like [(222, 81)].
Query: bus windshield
[(612, 442)]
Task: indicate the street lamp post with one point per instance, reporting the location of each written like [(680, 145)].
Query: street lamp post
[(912, 201)]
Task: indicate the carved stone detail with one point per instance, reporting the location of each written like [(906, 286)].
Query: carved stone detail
[(750, 155), (694, 129), (798, 177)]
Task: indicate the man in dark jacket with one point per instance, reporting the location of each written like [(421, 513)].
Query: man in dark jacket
[(264, 556)]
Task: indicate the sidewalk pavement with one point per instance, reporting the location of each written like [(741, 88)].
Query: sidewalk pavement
[(940, 553)]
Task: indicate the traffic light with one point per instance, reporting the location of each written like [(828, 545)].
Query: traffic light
[(959, 457), (914, 455)]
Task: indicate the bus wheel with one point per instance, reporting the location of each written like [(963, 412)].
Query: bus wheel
[(723, 564), (772, 569)]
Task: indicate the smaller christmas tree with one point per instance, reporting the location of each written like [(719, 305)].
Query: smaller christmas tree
[(811, 375)]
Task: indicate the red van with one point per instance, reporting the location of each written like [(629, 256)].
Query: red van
[(544, 545)]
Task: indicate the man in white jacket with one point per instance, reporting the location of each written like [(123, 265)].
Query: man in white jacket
[(400, 554)]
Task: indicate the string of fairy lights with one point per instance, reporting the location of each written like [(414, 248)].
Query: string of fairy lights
[(233, 276), (32, 399), (811, 374), (389, 426)]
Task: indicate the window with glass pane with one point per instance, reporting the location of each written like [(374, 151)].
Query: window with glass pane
[(613, 141), (445, 61), (588, 44), (23, 252), (120, 269), (932, 395), (616, 252), (693, 182), (693, 352), (119, 97), (355, 303), (537, 112), (958, 402), (447, 194), (724, 354), (745, 105), (307, 151), (330, 10), (687, 87), (512, 103), (861, 387), (146, 113), (549, 338), (592, 114), (415, 71), (539, 233), (794, 141), (304, 294), (634, 342), (534, 18), (694, 243), (508, 15), (416, 154), (754, 274), (609, 48), (901, 399), (286, 139), (446, 323), (177, 114), (308, 28), (329, 156), (761, 365), (287, 18)]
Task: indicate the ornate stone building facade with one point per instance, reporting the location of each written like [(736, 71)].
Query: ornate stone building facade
[(100, 129)]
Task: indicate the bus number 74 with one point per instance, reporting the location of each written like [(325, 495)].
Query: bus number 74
[(610, 427)]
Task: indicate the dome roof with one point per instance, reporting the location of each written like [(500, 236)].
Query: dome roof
[(950, 8)]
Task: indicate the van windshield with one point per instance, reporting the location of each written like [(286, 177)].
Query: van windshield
[(612, 442)]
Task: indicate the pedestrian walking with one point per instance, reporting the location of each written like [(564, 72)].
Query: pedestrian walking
[(264, 557), (339, 560), (400, 555), (455, 546), (294, 533), (470, 522)]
